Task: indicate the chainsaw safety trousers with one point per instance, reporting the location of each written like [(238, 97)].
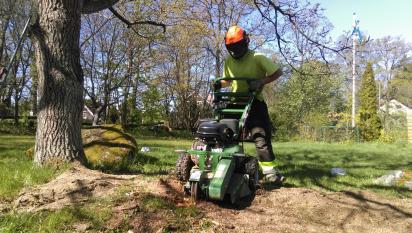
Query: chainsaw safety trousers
[(268, 167), (258, 124)]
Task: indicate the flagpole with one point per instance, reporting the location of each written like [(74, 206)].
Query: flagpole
[(354, 71)]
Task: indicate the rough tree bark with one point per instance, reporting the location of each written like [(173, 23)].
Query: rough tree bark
[(33, 90), (97, 113), (60, 84)]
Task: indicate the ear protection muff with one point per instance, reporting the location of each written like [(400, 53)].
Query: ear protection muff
[(246, 37)]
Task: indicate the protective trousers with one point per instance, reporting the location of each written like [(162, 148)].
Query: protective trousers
[(259, 125)]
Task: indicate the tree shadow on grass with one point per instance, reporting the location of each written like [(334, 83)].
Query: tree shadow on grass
[(312, 174), (143, 164), (305, 175), (364, 199), (356, 205), (308, 166)]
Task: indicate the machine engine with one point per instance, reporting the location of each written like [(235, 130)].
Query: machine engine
[(218, 134), (214, 133)]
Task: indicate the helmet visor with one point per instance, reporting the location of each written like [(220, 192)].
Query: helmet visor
[(238, 49)]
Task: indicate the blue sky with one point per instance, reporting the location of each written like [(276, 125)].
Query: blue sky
[(378, 17)]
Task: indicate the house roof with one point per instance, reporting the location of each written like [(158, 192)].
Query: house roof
[(395, 106)]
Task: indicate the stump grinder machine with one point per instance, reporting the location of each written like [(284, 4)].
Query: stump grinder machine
[(216, 167)]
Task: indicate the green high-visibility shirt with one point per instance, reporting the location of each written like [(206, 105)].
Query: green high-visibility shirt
[(251, 65)]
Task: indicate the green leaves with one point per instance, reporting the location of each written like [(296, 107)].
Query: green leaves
[(369, 122), (305, 98), (400, 87)]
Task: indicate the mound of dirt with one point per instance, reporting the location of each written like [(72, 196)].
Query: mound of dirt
[(74, 186), (306, 210), (278, 210), (108, 146)]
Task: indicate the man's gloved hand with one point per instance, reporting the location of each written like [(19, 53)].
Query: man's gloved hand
[(216, 85), (256, 85)]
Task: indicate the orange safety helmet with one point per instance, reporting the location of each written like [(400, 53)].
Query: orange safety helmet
[(237, 42), (234, 34)]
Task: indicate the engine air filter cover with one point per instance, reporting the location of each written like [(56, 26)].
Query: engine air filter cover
[(212, 129)]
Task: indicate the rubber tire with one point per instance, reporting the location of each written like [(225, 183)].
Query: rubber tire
[(194, 191), (252, 169), (183, 167)]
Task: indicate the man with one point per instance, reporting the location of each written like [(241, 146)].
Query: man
[(244, 62)]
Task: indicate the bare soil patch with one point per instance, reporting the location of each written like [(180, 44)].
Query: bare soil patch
[(277, 210), (306, 210)]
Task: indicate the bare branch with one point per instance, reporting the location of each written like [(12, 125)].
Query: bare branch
[(130, 24), (93, 6), (95, 32)]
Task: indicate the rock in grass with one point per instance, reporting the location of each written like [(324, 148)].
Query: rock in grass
[(390, 179), (337, 171), (409, 184), (108, 147)]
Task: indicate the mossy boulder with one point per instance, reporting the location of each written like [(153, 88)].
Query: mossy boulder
[(108, 147)]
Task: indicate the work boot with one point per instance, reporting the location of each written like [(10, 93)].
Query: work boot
[(274, 178)]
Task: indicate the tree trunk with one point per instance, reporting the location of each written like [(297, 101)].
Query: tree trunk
[(3, 28), (217, 60), (133, 102), (60, 82), (16, 87), (16, 110), (33, 90), (34, 95), (125, 106), (9, 94), (97, 114), (124, 109)]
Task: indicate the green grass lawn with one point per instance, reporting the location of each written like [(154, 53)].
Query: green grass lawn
[(309, 164), (304, 164), (16, 168)]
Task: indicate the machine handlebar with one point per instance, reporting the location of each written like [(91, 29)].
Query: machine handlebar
[(220, 93)]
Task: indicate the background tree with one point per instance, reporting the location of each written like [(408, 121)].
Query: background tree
[(369, 122), (104, 55), (56, 34), (401, 85), (153, 112), (297, 25), (389, 54), (128, 69), (13, 17), (305, 99)]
